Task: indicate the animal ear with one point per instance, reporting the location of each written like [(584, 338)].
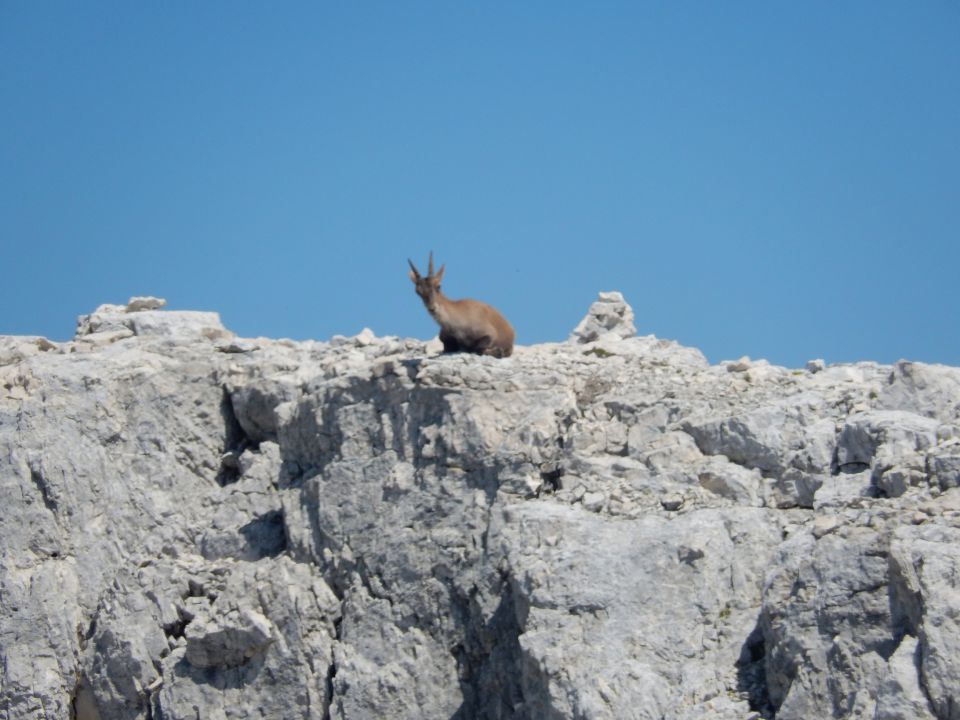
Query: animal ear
[(413, 276), (439, 276)]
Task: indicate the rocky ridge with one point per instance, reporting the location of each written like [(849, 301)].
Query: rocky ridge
[(199, 525)]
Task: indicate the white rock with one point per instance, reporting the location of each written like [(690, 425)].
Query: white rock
[(365, 337), (741, 365), (228, 640), (593, 501), (179, 324), (610, 316), (900, 695), (142, 317), (361, 529), (734, 482), (136, 304)]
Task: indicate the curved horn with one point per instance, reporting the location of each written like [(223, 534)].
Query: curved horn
[(413, 267)]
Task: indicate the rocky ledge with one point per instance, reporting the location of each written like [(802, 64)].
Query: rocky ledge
[(200, 526)]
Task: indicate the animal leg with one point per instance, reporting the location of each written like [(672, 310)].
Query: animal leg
[(481, 345), (450, 343)]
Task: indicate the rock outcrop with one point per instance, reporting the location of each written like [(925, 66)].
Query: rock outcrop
[(198, 525)]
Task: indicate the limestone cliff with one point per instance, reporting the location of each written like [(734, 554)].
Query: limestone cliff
[(200, 526)]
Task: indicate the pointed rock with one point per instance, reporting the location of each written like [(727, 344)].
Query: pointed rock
[(610, 316)]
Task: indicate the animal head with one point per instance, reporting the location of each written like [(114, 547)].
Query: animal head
[(428, 288)]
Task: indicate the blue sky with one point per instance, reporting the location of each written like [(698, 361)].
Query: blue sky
[(779, 180)]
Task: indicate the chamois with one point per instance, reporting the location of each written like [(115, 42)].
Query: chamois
[(465, 325)]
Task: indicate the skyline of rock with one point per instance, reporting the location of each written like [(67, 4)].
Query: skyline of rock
[(609, 527)]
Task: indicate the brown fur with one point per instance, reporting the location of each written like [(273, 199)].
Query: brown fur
[(465, 325)]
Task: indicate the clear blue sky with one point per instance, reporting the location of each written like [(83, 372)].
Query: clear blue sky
[(775, 179)]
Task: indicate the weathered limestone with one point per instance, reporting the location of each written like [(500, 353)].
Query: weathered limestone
[(198, 524), (609, 317)]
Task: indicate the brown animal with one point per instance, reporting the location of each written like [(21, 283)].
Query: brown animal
[(465, 325)]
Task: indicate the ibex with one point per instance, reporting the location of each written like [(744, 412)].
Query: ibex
[(465, 325)]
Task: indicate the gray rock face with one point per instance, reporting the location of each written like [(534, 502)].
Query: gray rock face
[(196, 525)]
